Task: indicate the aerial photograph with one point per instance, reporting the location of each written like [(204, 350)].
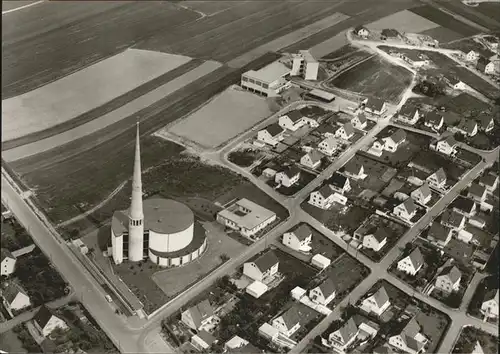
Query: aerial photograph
[(250, 176)]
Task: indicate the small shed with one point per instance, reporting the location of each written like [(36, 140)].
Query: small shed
[(256, 289), (320, 261), (298, 292), (269, 173), (268, 331)]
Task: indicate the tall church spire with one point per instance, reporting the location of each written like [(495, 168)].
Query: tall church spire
[(136, 206)]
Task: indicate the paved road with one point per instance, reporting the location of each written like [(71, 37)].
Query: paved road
[(476, 279)]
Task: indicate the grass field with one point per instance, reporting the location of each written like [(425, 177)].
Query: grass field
[(443, 19), (486, 14), (11, 343), (404, 21), (468, 338), (223, 118), (375, 77), (468, 44), (443, 34)]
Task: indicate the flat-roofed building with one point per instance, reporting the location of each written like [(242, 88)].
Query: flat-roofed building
[(270, 81), (305, 65), (246, 217)]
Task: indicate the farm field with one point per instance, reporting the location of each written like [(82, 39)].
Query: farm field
[(443, 34), (336, 42), (129, 109), (405, 21), (445, 20), (468, 44), (489, 9), (486, 14), (75, 94), (375, 77), (223, 118)]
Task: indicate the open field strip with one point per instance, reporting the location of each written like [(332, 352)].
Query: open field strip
[(445, 20), (227, 115), (288, 39), (82, 91), (328, 46), (20, 5), (112, 117), (405, 21), (469, 16)]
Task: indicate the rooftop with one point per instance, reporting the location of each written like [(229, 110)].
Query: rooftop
[(439, 232), (451, 217), (269, 73), (477, 190), (380, 296), (254, 216), (463, 204), (488, 180), (266, 261), (452, 272), (302, 232), (408, 110), (399, 136), (433, 117), (338, 180), (375, 104), (416, 258), (5, 253), (274, 129)]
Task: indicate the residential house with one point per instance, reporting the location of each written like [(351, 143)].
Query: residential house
[(489, 307), (354, 170), (288, 322), (472, 56), (305, 65), (437, 179), (312, 159), (455, 83), (464, 206), (390, 33), (271, 135), (377, 303), (434, 120), (339, 183), (492, 68), (203, 340), (324, 293), (453, 220), (481, 64), (329, 145), (485, 122), (477, 192), (8, 262), (198, 316), (288, 177), (15, 298), (409, 114), (361, 31), (451, 118), (375, 106), (239, 345), (299, 239), (447, 146), (406, 210), (448, 281), (46, 322), (325, 196), (359, 121), (410, 339), (439, 234), (292, 120), (415, 59), (375, 238), (392, 142), (422, 195), (343, 337), (345, 131), (467, 127), (263, 267), (489, 181), (412, 263)]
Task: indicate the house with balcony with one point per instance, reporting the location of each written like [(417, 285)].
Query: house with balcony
[(299, 239), (439, 234), (437, 179), (271, 135), (343, 337), (447, 146), (412, 263), (409, 114), (324, 293), (422, 195), (406, 210), (376, 303), (305, 65), (312, 159), (448, 281), (288, 176), (411, 338)]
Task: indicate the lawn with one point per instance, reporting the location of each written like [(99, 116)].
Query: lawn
[(468, 44), (434, 161), (11, 343), (347, 272), (375, 78), (468, 338), (445, 20), (14, 236), (379, 174), (466, 105), (403, 21)]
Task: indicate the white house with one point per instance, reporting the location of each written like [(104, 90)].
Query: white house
[(359, 121), (288, 322), (288, 177), (312, 159), (292, 120), (361, 31), (271, 135), (409, 114), (467, 127), (434, 120), (345, 131), (489, 181), (299, 239), (472, 56), (198, 316), (339, 183), (485, 122), (354, 170), (489, 307), (246, 217), (406, 210), (375, 106), (305, 65), (447, 146), (437, 179), (412, 263), (415, 59), (324, 293), (324, 197), (456, 84), (375, 239), (477, 192), (14, 298), (448, 280), (453, 220), (263, 268), (411, 339), (8, 262), (377, 303), (239, 345), (392, 142), (320, 261), (422, 195), (329, 145), (343, 337), (203, 340), (464, 206), (439, 234), (270, 81), (492, 68), (46, 322)]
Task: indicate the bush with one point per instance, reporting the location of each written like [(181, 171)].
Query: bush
[(429, 88), (243, 158)]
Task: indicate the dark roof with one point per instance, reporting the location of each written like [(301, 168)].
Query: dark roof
[(325, 191), (266, 261), (452, 272), (467, 125), (247, 348), (425, 190), (399, 136), (453, 80), (390, 33), (490, 295), (438, 231), (348, 330), (481, 63), (302, 232), (375, 104), (43, 316), (10, 292), (328, 287), (353, 167), (206, 337), (382, 350), (291, 317), (451, 217), (294, 115), (338, 180), (348, 128), (450, 140), (274, 129), (409, 205), (451, 118), (488, 179), (477, 190), (440, 175), (433, 117), (315, 155), (381, 297), (464, 204), (359, 28), (362, 118), (416, 258), (201, 312), (291, 171), (381, 233), (484, 120), (408, 110), (5, 253)]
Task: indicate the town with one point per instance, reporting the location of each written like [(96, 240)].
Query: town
[(330, 188)]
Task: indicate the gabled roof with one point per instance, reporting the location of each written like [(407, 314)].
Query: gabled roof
[(390, 32), (291, 171), (5, 253), (453, 80), (482, 62), (452, 272), (375, 104), (361, 117), (294, 115), (425, 190), (477, 190), (438, 231), (450, 140), (398, 136), (291, 317), (467, 125), (484, 120), (451, 217), (433, 118), (381, 233), (451, 118), (328, 287), (409, 205), (491, 294), (315, 155), (338, 180), (359, 28), (201, 312), (383, 350), (302, 232), (353, 167), (348, 128), (43, 316), (416, 258), (206, 337), (10, 292), (408, 110), (274, 129), (381, 297), (463, 204), (266, 261), (348, 330), (440, 175), (488, 179), (325, 191)]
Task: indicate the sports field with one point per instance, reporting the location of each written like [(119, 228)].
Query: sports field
[(75, 94)]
